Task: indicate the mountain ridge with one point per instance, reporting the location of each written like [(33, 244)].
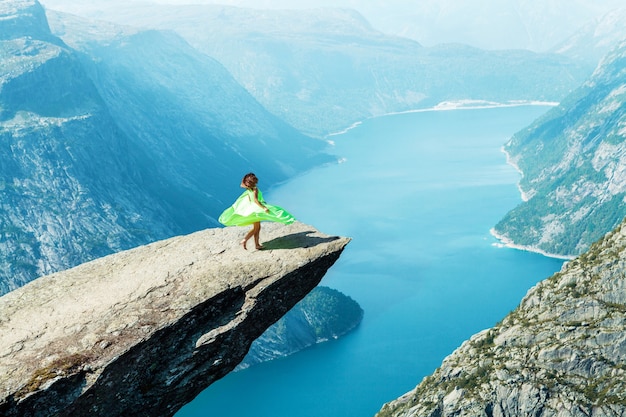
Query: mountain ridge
[(309, 68)]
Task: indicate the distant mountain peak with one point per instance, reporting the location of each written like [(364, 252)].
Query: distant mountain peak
[(596, 38), (24, 18)]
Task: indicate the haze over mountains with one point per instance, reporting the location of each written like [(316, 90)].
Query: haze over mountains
[(537, 25), (322, 70), (596, 38), (170, 127)]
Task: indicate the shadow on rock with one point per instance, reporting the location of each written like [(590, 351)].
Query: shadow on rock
[(297, 240)]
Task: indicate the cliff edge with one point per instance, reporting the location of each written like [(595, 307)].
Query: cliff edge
[(561, 353), (142, 332)]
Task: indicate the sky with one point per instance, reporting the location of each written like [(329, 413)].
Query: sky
[(537, 25)]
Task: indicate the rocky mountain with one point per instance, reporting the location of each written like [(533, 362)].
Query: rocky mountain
[(573, 162), (322, 315), (561, 352), (143, 331), (324, 69), (124, 138), (596, 38)]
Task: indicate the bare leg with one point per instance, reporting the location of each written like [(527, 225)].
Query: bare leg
[(251, 233), (256, 227)]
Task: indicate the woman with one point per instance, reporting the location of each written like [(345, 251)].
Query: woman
[(250, 208)]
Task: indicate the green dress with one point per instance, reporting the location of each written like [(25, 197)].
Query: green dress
[(245, 211)]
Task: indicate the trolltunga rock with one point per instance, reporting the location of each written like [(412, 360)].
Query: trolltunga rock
[(142, 332)]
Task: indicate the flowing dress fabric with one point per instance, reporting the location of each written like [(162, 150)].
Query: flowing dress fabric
[(245, 211)]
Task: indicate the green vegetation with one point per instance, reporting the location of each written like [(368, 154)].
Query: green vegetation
[(65, 366), (323, 314), (334, 311), (485, 342), (525, 224), (604, 391), (567, 170)]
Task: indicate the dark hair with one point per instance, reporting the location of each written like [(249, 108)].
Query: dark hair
[(250, 180)]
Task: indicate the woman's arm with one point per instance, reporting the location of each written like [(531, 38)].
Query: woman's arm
[(256, 200)]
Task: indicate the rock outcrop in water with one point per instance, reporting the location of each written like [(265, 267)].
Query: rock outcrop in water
[(323, 315), (142, 332), (562, 352)]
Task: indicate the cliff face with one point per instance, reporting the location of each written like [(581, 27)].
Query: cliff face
[(595, 39), (573, 162), (143, 331), (562, 352)]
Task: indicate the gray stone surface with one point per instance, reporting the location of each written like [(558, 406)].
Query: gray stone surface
[(143, 331)]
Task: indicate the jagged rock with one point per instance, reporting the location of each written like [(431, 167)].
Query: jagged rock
[(142, 332), (562, 352)]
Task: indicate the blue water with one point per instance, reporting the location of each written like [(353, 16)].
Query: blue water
[(418, 194)]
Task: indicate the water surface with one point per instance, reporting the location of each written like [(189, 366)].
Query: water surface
[(418, 193)]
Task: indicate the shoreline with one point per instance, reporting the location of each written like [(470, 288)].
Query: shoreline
[(509, 161), (508, 243), (477, 105), (454, 105)]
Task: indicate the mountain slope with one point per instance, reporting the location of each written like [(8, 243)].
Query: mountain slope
[(573, 162), (486, 24), (103, 152), (595, 39), (198, 124), (562, 352), (56, 136)]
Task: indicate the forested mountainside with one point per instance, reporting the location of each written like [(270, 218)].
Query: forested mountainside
[(323, 315), (561, 352), (133, 138), (573, 162), (324, 69)]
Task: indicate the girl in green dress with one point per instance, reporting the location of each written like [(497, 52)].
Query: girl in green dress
[(251, 208)]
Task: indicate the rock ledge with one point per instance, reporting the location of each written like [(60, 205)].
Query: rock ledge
[(142, 332)]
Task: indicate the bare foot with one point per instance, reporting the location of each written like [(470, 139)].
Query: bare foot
[(260, 247), (243, 243)]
